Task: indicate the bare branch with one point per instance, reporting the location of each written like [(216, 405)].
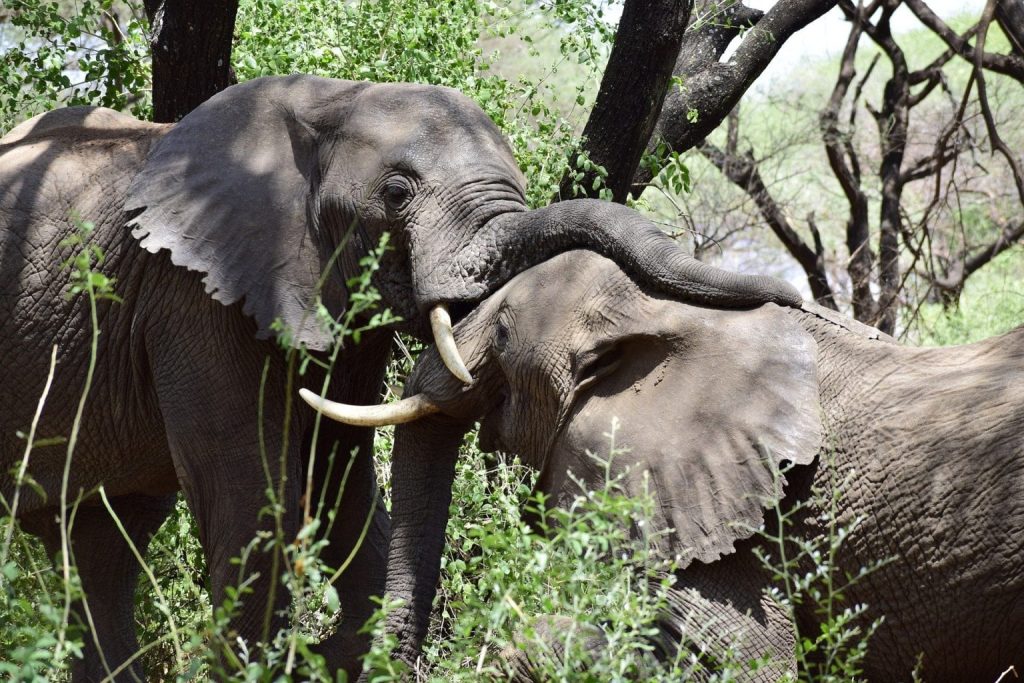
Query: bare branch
[(986, 111), (952, 283), (743, 172), (842, 159), (1011, 65)]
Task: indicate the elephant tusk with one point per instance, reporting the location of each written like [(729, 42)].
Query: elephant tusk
[(444, 338), (405, 410)]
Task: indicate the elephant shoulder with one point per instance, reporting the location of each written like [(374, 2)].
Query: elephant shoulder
[(67, 164)]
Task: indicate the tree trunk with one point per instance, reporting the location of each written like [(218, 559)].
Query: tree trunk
[(632, 91), (191, 48)]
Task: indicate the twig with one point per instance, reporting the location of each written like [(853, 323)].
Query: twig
[(28, 450)]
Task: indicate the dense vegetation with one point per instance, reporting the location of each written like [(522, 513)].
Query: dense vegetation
[(500, 572)]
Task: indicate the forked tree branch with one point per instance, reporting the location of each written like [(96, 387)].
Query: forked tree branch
[(710, 88), (743, 172), (845, 165), (1009, 65)]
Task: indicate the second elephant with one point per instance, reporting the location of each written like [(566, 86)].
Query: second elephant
[(711, 403)]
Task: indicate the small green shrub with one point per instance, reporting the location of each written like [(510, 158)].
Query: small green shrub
[(807, 577), (505, 578)]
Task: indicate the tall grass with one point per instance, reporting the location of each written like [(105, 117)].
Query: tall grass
[(572, 594)]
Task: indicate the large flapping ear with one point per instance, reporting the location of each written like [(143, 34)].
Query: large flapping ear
[(708, 413), (229, 192)]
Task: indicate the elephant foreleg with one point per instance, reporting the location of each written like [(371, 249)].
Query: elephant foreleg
[(361, 531), (244, 533), (359, 542), (721, 616)]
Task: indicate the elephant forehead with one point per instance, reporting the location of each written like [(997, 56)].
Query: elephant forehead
[(577, 292), (433, 124)]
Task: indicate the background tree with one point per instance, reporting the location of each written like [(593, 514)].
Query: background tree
[(190, 43), (888, 180), (931, 196)]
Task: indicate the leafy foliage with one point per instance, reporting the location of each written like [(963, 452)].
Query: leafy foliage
[(517, 576), (438, 43), (98, 56), (807, 577)]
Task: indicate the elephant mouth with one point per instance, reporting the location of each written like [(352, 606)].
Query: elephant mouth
[(459, 309)]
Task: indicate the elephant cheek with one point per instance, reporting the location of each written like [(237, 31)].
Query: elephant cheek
[(574, 456)]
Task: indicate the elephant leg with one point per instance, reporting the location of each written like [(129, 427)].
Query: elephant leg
[(236, 523), (109, 571), (358, 541), (361, 531), (212, 396), (721, 613)]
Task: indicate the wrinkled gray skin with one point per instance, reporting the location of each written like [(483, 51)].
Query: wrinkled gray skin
[(214, 228), (930, 438)]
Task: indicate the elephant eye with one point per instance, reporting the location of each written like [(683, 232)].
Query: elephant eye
[(397, 194), (602, 363)]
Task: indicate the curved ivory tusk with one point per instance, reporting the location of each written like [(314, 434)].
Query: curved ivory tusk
[(405, 410), (444, 338)]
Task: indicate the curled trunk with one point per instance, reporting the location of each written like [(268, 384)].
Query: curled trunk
[(515, 241)]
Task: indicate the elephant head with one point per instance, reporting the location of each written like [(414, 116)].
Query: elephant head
[(274, 189), (709, 400)]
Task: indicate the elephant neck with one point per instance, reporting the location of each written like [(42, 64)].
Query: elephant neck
[(875, 391), (851, 357)]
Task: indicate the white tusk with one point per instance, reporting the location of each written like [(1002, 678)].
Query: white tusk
[(399, 412), (441, 324)]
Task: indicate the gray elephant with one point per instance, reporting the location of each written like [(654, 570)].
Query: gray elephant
[(711, 402), (256, 209)]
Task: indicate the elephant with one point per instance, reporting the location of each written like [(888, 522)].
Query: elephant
[(714, 405), (230, 235)]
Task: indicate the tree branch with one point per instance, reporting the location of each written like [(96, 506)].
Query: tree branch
[(1011, 65), (952, 283), (711, 88), (743, 172), (842, 159), (1010, 17), (893, 121), (986, 111)]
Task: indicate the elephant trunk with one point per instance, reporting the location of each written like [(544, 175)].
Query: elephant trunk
[(515, 241), (422, 473)]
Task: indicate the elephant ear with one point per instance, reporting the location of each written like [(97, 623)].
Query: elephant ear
[(230, 192), (724, 400)]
